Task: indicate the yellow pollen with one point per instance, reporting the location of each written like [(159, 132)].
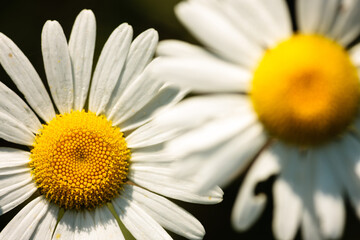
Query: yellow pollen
[(305, 91), (79, 160)]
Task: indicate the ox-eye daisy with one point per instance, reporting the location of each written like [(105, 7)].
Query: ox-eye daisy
[(288, 99), (95, 165)]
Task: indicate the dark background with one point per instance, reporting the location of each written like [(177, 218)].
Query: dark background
[(22, 21)]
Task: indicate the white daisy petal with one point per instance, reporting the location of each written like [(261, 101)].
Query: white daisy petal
[(66, 227), (154, 153), (200, 144), (12, 154), (287, 196), (160, 180), (176, 48), (15, 195), (18, 109), (345, 28), (16, 183), (11, 182), (240, 14), (47, 225), (237, 154), (26, 78), (352, 151), (13, 161), (305, 19), (166, 213), (270, 20), (106, 226), (280, 16), (344, 168), (310, 228), (350, 182), (167, 96), (11, 168), (81, 50), (190, 164), (137, 221), (357, 167), (355, 55), (109, 67), (141, 52), (316, 16), (57, 65), (26, 221), (202, 138), (248, 207), (329, 204), (13, 130), (188, 114), (328, 13), (141, 91), (202, 75), (221, 37), (84, 225)]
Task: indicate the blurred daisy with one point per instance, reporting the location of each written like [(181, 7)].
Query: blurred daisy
[(288, 100), (90, 169)]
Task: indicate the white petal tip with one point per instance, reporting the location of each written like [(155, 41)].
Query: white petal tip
[(51, 23), (180, 6), (87, 11), (152, 32), (51, 27), (215, 194), (87, 14), (125, 26)]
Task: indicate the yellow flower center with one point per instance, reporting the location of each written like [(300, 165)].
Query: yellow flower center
[(305, 91), (79, 160)]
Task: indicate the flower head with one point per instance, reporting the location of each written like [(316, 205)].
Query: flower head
[(95, 161), (289, 100)]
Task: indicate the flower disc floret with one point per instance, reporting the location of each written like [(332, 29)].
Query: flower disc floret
[(305, 90), (79, 160)]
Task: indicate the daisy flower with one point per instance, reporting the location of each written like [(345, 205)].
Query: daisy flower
[(92, 166), (289, 100)]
